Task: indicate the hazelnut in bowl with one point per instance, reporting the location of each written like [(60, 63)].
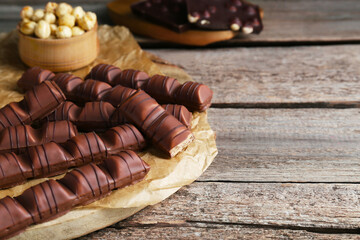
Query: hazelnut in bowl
[(59, 38)]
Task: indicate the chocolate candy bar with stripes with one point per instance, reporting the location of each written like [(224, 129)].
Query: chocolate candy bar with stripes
[(52, 158), (163, 129), (53, 198), (194, 96), (19, 138), (38, 102)]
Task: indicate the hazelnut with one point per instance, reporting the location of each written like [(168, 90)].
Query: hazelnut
[(51, 7), (88, 21), (67, 20), (235, 27), (26, 12), (247, 29), (63, 9), (42, 29), (25, 20), (50, 18), (53, 28), (193, 19), (28, 27), (63, 32), (78, 12), (76, 31), (38, 15)]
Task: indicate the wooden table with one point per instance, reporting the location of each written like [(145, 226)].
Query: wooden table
[(288, 131)]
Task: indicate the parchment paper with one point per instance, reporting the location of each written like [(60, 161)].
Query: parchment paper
[(117, 47)]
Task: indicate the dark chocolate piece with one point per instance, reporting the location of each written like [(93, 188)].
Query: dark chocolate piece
[(236, 15), (169, 13), (14, 218), (114, 76), (105, 72), (37, 103), (164, 130), (47, 200), (34, 76), (53, 158), (51, 199), (194, 96), (180, 113), (19, 138), (93, 116)]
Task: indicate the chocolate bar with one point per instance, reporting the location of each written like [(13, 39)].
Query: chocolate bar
[(194, 96), (19, 138), (169, 13), (37, 103), (236, 15), (53, 198), (80, 91), (52, 158), (97, 116), (164, 130), (34, 76), (93, 116), (180, 113)]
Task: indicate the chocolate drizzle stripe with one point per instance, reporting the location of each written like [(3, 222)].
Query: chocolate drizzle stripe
[(7, 209), (168, 133), (142, 101), (87, 180), (17, 162), (46, 157), (37, 205), (172, 85), (92, 88), (149, 114), (26, 136), (131, 175), (10, 139), (160, 123), (53, 195), (97, 177), (88, 142), (69, 129), (82, 156), (17, 137), (36, 97), (1, 168), (40, 161), (57, 88), (98, 144), (119, 135), (75, 180), (15, 113), (132, 130), (46, 196), (194, 90), (101, 112)]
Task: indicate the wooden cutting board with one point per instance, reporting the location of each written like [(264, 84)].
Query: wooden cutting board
[(121, 14)]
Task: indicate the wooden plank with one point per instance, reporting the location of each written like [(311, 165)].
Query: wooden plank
[(209, 231), (253, 77), (312, 207), (285, 145), (285, 21)]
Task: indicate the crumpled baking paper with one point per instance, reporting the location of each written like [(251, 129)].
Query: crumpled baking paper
[(117, 47)]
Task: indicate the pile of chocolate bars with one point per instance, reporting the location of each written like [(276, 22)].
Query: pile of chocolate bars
[(182, 15), (123, 109)]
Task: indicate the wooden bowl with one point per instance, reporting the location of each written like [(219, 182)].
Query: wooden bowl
[(59, 55)]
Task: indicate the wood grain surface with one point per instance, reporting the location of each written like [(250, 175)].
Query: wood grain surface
[(257, 77)]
